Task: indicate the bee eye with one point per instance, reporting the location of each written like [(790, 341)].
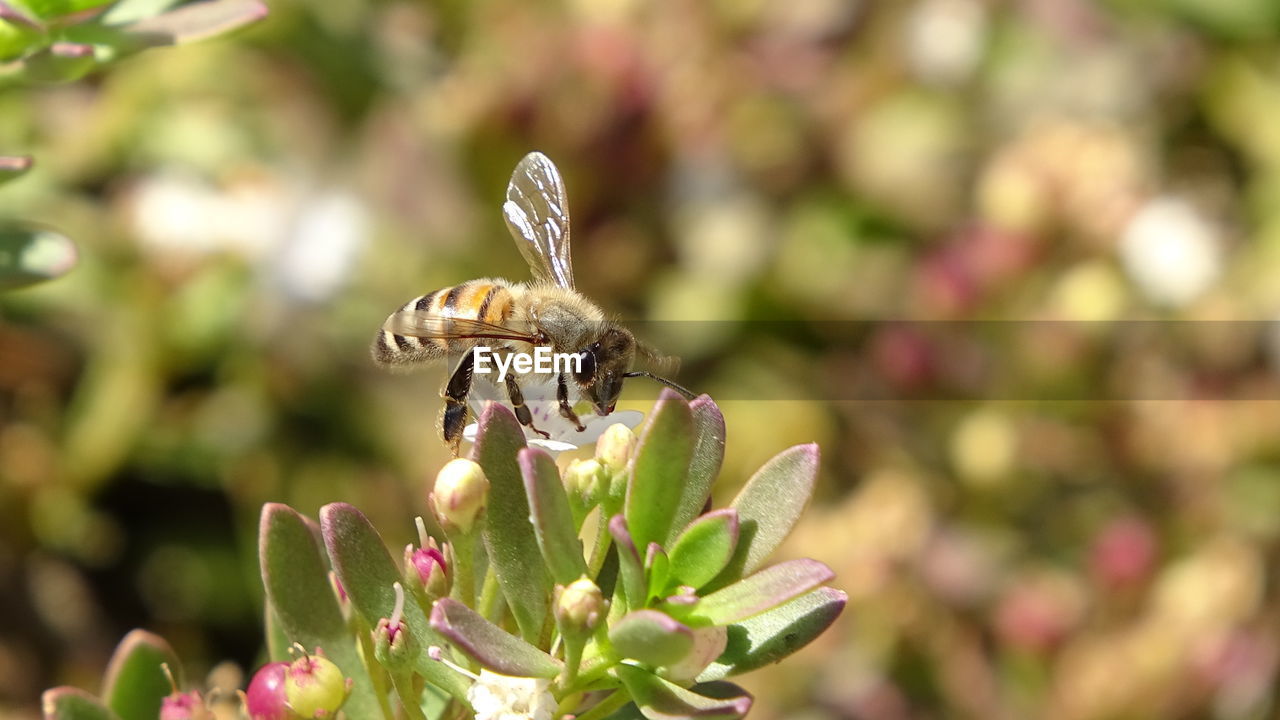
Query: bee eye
[(588, 367)]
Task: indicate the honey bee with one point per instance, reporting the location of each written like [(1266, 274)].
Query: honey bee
[(510, 318)]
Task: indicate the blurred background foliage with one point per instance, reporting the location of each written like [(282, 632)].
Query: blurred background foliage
[(1011, 263)]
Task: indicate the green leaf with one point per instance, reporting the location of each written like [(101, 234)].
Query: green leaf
[(58, 63), (490, 645), (109, 44), (651, 637), (277, 641), (134, 683), (297, 584), (704, 548), (127, 11), (30, 255), (634, 587), (708, 453), (552, 520), (658, 567), (49, 9), (68, 703), (755, 594), (626, 712), (659, 469), (768, 507), (774, 634), (508, 534), (197, 21), (367, 572), (18, 39), (662, 700)]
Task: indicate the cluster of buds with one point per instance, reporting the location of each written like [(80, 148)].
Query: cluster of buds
[(566, 593), (311, 686), (547, 594)]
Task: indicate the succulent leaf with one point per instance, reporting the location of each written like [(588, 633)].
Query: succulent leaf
[(704, 548), (708, 454), (634, 586), (31, 255), (69, 703), (134, 684), (657, 566), (367, 573), (197, 21), (50, 9), (756, 593), (659, 699), (552, 520), (768, 507), (277, 641), (659, 469), (297, 584), (490, 645), (774, 634), (651, 637), (508, 534)]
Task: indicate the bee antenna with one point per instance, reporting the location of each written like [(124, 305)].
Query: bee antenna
[(664, 363), (678, 388)]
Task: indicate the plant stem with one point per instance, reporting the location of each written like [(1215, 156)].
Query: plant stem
[(606, 707), (377, 675), (464, 584), (409, 699)]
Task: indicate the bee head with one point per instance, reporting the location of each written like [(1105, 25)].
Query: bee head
[(605, 363)]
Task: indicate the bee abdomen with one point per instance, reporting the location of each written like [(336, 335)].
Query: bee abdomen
[(489, 301), (392, 349)]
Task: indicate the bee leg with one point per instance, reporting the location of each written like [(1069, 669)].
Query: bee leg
[(455, 403), (562, 394), (522, 410)]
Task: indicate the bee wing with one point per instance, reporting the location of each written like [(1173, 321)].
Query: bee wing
[(537, 213), (423, 324)]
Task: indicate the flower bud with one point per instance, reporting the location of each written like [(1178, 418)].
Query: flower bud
[(579, 608), (614, 448), (587, 480), (393, 646), (184, 706), (426, 569), (179, 705), (265, 698), (459, 495), (315, 687)]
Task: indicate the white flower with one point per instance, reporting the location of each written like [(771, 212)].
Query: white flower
[(540, 398), (502, 697), (1171, 251)]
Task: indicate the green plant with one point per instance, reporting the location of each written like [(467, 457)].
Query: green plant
[(56, 41), (512, 616)]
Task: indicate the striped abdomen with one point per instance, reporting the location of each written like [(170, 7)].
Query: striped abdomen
[(487, 300)]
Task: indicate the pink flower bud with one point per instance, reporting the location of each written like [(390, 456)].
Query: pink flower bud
[(183, 706), (430, 564), (265, 698)]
